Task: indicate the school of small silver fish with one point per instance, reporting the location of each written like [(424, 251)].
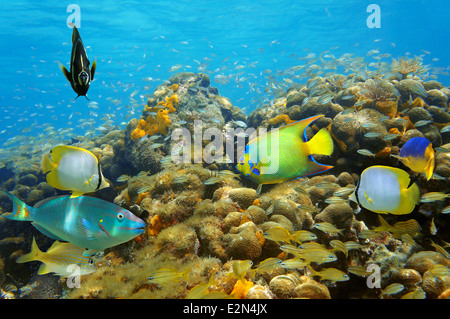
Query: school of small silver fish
[(312, 245)]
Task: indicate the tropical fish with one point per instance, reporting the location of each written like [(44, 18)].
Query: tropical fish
[(278, 234), (80, 76), (433, 197), (327, 228), (269, 264), (57, 259), (340, 246), (167, 275), (384, 189), (392, 289), (293, 263), (86, 222), (290, 154), (318, 256), (301, 236), (418, 154), (410, 227), (73, 169), (331, 274)]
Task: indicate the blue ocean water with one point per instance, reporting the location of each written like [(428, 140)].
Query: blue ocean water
[(139, 44)]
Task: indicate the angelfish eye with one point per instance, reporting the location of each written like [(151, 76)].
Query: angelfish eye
[(120, 216), (91, 261)]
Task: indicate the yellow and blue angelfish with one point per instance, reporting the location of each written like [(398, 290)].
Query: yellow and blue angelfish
[(58, 258), (284, 154), (384, 189), (73, 169), (418, 154)]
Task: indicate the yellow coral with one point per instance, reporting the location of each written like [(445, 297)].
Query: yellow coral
[(280, 119), (241, 288), (158, 124)]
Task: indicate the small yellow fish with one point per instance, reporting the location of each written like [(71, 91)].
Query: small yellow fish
[(433, 197), (268, 264), (350, 245), (340, 246), (331, 274), (440, 250), (367, 234), (319, 256), (328, 228), (278, 234), (411, 227), (392, 289), (293, 263), (439, 271), (359, 270), (433, 229), (301, 236), (202, 290), (57, 259), (418, 293), (167, 275), (240, 268)]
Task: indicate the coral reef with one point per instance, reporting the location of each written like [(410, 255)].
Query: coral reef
[(218, 237)]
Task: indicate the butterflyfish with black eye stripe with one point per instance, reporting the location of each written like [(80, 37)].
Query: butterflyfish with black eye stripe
[(285, 153), (384, 189), (73, 169)]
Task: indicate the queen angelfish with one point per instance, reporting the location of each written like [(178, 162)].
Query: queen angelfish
[(87, 222), (285, 153), (80, 76)]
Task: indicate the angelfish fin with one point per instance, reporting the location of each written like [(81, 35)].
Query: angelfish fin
[(321, 143)]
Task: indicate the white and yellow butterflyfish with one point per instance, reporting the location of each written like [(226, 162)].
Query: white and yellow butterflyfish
[(384, 189), (73, 169)]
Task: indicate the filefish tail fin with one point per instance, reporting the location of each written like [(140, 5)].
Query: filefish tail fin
[(321, 143), (34, 254), (20, 211)]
